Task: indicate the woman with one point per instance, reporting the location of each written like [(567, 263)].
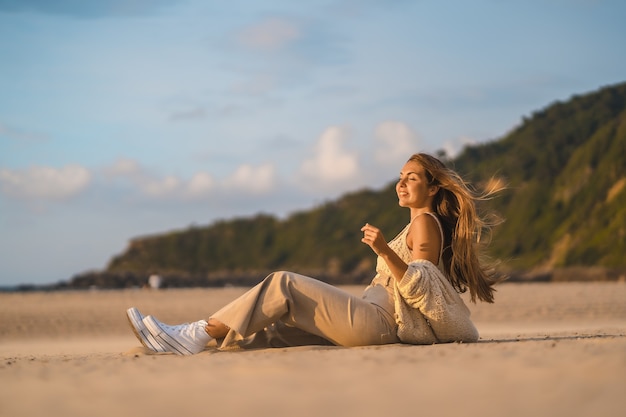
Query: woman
[(414, 297)]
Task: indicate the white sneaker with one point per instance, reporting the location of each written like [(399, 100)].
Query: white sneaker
[(135, 319), (183, 339)]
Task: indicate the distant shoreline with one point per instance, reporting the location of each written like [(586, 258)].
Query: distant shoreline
[(105, 280)]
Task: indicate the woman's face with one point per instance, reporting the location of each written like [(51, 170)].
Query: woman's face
[(412, 187)]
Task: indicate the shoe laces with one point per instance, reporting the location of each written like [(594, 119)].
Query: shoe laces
[(175, 328), (193, 329)]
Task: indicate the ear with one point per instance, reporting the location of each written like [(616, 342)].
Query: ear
[(433, 190)]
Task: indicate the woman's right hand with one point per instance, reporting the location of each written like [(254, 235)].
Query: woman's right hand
[(373, 237)]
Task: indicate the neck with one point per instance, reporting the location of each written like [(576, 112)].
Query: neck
[(416, 212)]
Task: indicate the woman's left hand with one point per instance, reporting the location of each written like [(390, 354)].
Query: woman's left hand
[(373, 237)]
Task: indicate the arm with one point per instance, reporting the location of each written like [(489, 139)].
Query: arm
[(373, 237), (423, 239)]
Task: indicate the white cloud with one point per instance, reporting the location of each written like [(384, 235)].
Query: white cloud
[(248, 178), (396, 142), (200, 185), (161, 187), (129, 171), (45, 183), (453, 148), (330, 164), (270, 34), (123, 167)]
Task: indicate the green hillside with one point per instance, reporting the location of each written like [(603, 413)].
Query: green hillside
[(324, 242), (565, 206), (566, 167)]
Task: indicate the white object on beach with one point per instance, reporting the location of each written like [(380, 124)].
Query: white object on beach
[(155, 281)]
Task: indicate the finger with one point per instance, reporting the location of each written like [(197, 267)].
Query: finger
[(369, 227)]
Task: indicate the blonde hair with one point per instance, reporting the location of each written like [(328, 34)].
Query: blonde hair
[(463, 227)]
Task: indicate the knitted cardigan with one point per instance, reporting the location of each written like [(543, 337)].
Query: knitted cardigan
[(428, 308)]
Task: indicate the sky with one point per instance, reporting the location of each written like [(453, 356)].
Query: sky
[(121, 119)]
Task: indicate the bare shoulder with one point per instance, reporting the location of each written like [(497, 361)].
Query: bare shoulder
[(424, 238), (425, 223)]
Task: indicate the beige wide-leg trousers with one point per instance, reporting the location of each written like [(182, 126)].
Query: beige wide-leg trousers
[(288, 309)]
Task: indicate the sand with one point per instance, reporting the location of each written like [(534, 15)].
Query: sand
[(556, 349)]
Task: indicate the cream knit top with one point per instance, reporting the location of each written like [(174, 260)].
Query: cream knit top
[(427, 307)]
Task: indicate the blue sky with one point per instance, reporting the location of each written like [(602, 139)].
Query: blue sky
[(120, 119)]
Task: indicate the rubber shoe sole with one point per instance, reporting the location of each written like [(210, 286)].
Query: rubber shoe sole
[(135, 319)]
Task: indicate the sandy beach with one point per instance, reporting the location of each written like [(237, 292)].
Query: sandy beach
[(549, 349)]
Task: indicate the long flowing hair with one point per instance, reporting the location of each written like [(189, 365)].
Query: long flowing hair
[(463, 227)]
